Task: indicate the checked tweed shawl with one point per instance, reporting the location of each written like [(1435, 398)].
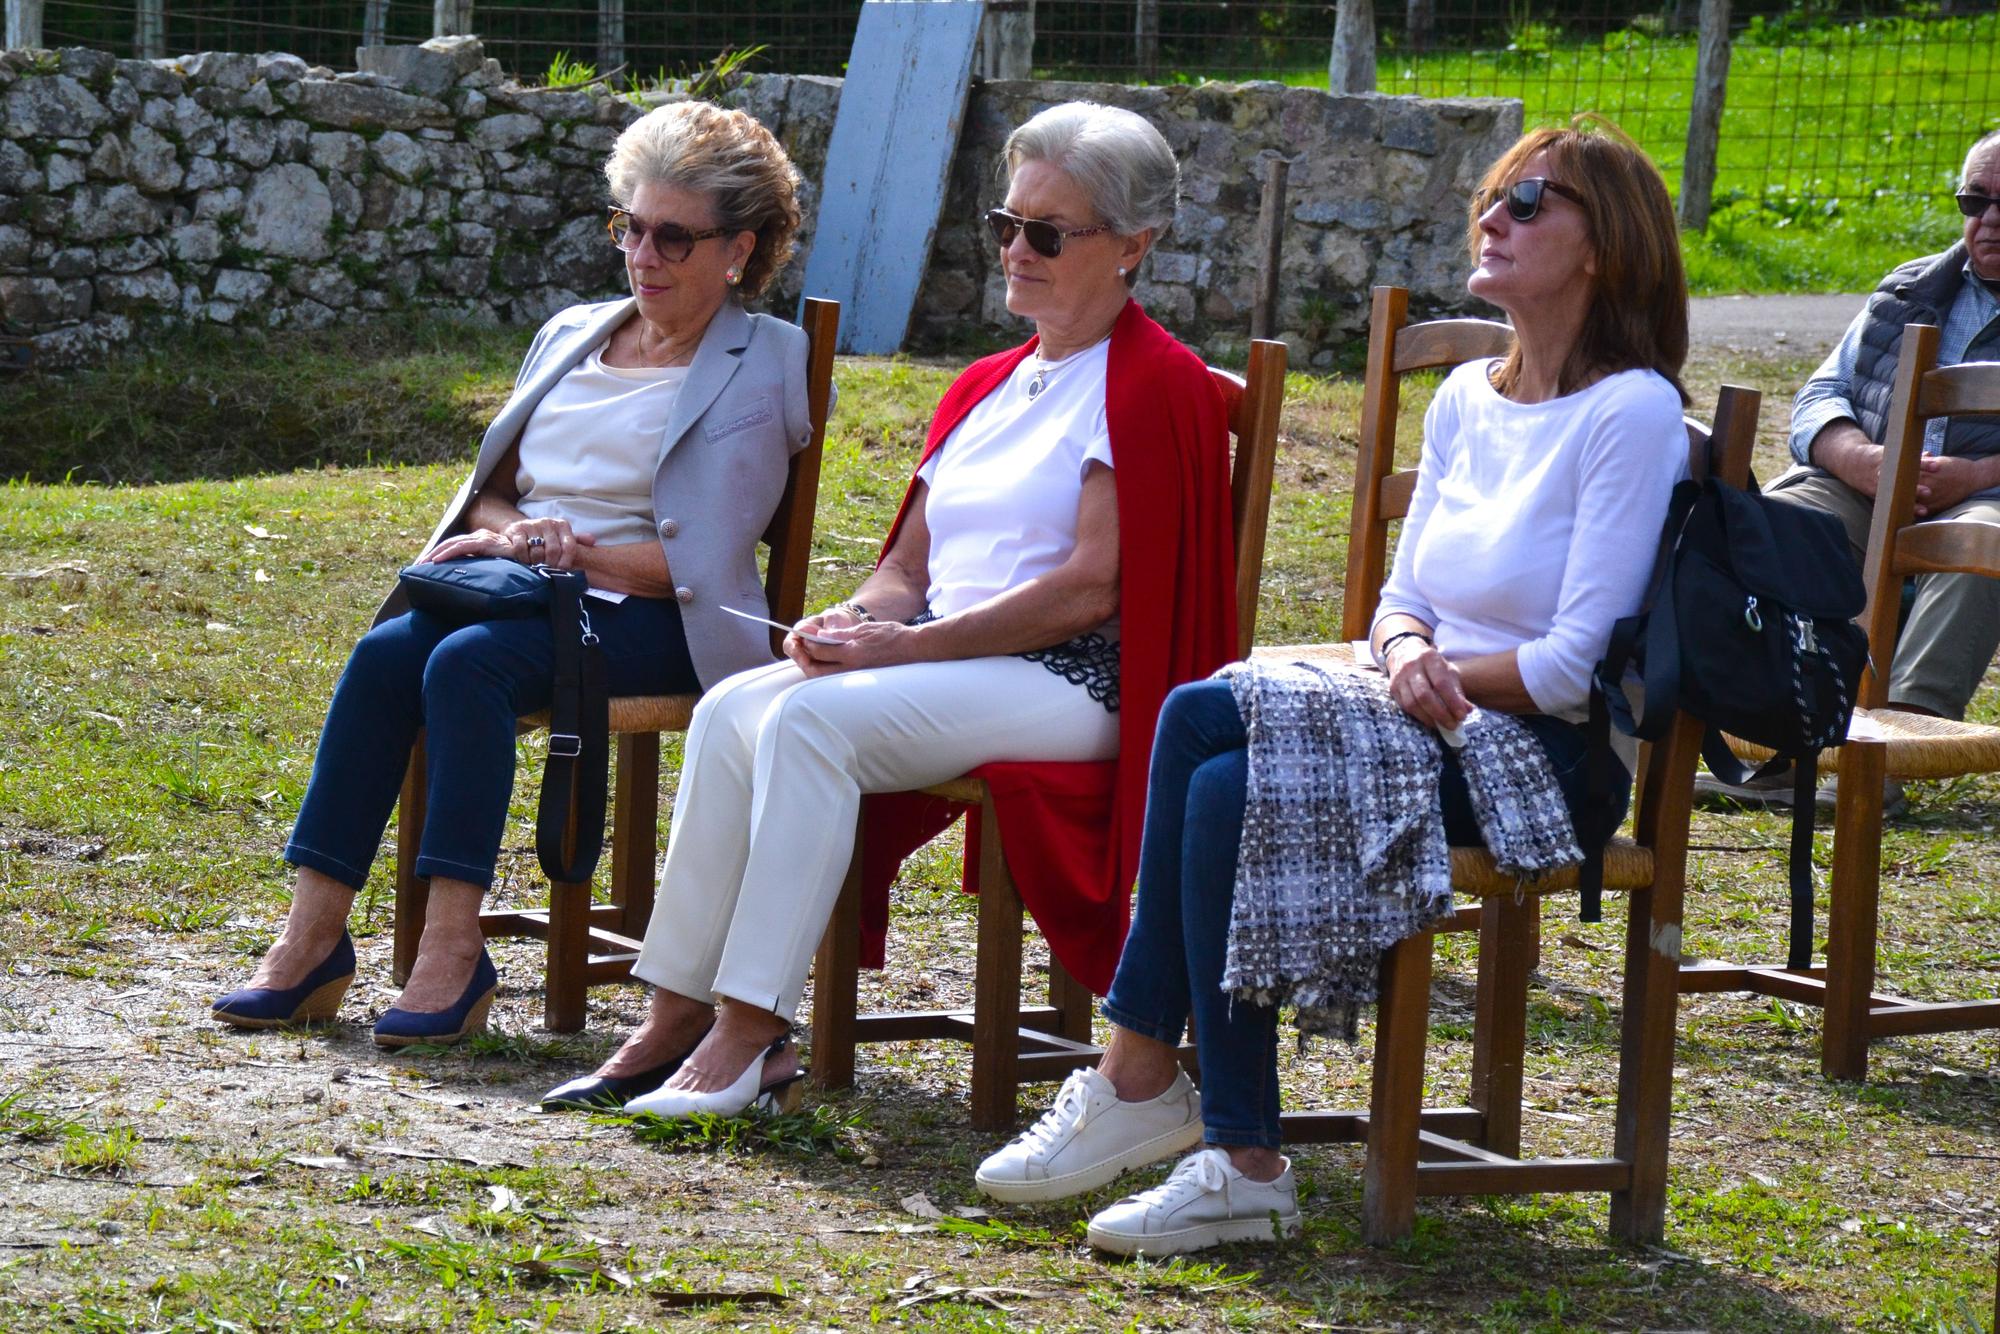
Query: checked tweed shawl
[(1343, 849)]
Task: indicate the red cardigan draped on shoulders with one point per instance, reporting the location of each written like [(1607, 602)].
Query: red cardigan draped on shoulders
[(1071, 831)]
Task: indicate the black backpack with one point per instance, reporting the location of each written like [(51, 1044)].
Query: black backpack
[(1749, 626)]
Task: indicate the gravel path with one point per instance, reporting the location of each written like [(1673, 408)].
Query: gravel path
[(1807, 325)]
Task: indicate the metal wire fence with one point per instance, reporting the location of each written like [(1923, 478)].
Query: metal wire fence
[(1827, 99)]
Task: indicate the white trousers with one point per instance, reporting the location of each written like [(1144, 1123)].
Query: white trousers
[(763, 826)]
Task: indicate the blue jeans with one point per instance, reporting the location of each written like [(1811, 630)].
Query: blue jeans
[(465, 685), (1173, 958)]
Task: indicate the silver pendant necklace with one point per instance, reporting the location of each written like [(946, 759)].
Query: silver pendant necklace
[(1043, 369)]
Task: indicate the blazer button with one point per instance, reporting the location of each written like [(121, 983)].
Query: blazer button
[(684, 594), (669, 528)]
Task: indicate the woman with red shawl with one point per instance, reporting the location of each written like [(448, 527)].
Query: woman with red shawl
[(1061, 561)]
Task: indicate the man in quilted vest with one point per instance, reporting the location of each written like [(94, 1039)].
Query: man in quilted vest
[(1839, 420)]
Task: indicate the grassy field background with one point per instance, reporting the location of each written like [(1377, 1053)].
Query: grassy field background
[(1839, 148), (169, 634)]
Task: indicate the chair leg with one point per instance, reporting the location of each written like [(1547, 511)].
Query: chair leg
[(1071, 1001), (565, 990), (1395, 1103), (1852, 917), (836, 984), (635, 822), (996, 987), (1646, 1057), (413, 893), (1508, 940)]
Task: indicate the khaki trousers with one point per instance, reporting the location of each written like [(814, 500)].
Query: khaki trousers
[(1954, 627), (771, 784)]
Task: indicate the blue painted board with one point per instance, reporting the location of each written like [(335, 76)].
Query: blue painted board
[(887, 164)]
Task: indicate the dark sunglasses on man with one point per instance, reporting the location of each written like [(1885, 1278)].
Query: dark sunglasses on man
[(671, 241), (1044, 238), (1975, 205), (1524, 197)]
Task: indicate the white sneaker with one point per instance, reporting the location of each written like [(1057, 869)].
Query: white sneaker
[(1204, 1203), (1089, 1137)]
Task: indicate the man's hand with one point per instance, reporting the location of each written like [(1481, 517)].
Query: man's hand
[(1945, 479), (1844, 449)]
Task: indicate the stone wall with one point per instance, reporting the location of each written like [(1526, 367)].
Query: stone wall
[(253, 191)]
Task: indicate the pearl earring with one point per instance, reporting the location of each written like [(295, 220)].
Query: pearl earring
[(1121, 271)]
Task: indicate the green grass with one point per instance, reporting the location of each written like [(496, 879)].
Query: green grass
[(1840, 144), (158, 710)]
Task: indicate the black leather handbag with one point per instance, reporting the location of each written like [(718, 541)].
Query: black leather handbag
[(569, 822)]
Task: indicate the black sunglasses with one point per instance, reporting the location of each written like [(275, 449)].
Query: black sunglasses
[(1044, 238), (1973, 206), (671, 241), (1524, 197)]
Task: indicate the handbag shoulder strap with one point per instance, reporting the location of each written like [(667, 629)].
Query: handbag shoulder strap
[(569, 822)]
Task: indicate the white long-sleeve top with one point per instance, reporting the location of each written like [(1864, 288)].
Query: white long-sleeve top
[(1534, 525)]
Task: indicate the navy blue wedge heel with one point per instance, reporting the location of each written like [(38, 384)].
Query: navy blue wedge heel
[(313, 1001), (404, 1028)]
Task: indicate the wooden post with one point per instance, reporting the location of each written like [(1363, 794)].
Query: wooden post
[(1007, 40), (1352, 67), (149, 38), (375, 23), (24, 24), (610, 35), (451, 18), (1270, 245), (1711, 77), (1146, 37), (1419, 22)]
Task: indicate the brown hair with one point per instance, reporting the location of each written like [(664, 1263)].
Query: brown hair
[(727, 156), (1638, 313)]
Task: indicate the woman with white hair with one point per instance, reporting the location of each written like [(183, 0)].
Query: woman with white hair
[(1062, 559), (646, 444)]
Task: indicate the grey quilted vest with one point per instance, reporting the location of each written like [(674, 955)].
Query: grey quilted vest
[(1920, 292)]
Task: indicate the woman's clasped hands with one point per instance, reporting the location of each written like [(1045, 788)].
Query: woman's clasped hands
[(860, 642), (1426, 685), (529, 541)]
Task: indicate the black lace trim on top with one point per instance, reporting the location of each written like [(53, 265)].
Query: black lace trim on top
[(1090, 660)]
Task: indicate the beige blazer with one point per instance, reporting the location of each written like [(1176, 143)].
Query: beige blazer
[(724, 449)]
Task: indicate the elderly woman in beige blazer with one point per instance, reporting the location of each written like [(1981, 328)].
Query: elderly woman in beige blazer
[(646, 443)]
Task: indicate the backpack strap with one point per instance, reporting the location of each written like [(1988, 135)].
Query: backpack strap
[(574, 774), (1805, 779)]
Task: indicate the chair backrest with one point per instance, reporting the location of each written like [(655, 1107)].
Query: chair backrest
[(1381, 493), (1898, 545), (789, 535), (1254, 400)]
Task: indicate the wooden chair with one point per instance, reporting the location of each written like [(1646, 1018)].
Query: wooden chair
[(591, 945), (1013, 1044), (1474, 1149), (1887, 743)]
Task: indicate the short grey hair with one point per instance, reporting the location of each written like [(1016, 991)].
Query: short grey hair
[(727, 157), (1990, 139), (1120, 160)]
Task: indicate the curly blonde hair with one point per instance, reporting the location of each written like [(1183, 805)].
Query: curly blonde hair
[(725, 155)]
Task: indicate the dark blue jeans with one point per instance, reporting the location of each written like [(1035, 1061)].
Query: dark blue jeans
[(1172, 963), (465, 685)]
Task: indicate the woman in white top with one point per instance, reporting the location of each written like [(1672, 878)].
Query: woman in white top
[(1544, 481), (646, 443), (991, 630)]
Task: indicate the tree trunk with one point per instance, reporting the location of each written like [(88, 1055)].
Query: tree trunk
[(1419, 22), (24, 24), (1711, 79), (1352, 67), (451, 18), (610, 35), (1146, 37), (149, 36), (1007, 40)]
